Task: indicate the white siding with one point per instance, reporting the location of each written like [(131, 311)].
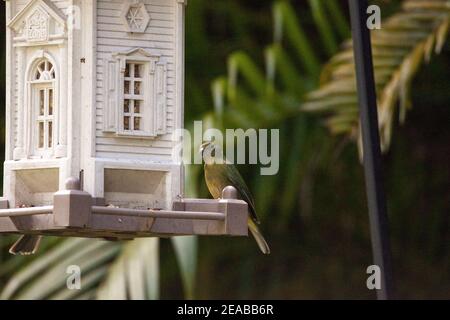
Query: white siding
[(113, 38), (18, 6)]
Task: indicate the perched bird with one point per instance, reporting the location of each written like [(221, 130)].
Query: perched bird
[(26, 245), (219, 174)]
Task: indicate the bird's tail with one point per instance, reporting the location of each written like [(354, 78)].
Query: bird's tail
[(26, 245), (262, 244)]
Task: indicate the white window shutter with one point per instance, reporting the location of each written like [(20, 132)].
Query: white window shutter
[(110, 107), (161, 99)]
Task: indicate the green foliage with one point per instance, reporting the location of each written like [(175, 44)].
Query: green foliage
[(134, 275), (51, 266), (186, 253), (255, 97), (400, 47), (277, 94)]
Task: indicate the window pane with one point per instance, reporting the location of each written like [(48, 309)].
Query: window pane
[(126, 106), (137, 70), (137, 106), (41, 102), (41, 135), (50, 134), (126, 123), (49, 67), (127, 87), (137, 87), (127, 70), (137, 123), (50, 102)]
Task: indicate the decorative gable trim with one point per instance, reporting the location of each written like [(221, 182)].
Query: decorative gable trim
[(138, 51), (39, 23), (17, 22), (137, 54)]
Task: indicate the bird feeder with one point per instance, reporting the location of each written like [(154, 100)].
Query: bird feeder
[(94, 96)]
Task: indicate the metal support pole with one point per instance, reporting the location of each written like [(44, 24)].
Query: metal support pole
[(371, 144)]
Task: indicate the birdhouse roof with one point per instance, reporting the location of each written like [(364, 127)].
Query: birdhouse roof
[(47, 5)]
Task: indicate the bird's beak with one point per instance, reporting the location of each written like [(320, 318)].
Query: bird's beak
[(203, 147)]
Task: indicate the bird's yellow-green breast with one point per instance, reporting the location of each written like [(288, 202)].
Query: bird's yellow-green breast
[(218, 176)]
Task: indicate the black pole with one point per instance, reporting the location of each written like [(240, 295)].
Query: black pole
[(371, 145)]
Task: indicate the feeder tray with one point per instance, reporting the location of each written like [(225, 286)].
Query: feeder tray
[(75, 213)]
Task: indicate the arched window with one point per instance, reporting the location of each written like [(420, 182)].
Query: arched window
[(45, 71), (43, 108)]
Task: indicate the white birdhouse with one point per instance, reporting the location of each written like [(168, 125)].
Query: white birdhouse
[(94, 96), (95, 89)]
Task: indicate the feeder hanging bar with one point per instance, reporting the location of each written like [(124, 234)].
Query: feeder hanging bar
[(214, 216), (192, 215), (25, 212)]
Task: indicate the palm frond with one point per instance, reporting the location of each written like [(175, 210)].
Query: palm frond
[(186, 253), (46, 277), (405, 41), (253, 96), (134, 275)]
